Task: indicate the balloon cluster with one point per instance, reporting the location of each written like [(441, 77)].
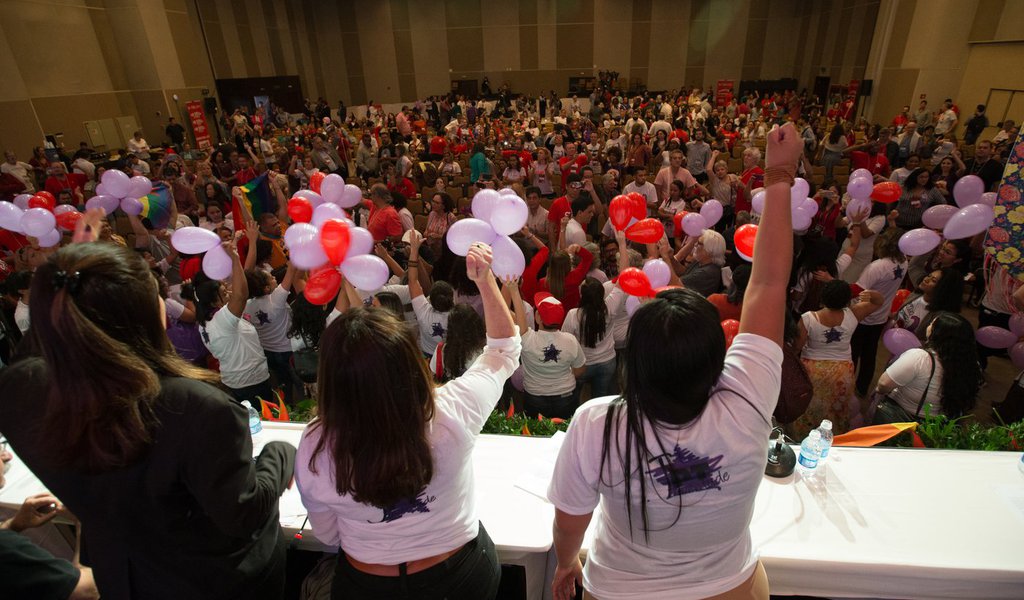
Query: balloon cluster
[(496, 216), (974, 216), (37, 216), (117, 190), (802, 208), (1005, 339), (628, 212), (645, 283)]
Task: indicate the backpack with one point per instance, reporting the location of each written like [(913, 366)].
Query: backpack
[(796, 391)]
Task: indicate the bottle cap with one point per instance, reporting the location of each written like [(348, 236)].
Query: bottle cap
[(826, 424)]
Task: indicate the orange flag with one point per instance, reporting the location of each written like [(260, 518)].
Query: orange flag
[(876, 434)]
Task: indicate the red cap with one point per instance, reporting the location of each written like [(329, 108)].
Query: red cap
[(549, 308)]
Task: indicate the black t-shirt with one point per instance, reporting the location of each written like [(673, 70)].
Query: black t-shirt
[(176, 132), (990, 171), (28, 571)]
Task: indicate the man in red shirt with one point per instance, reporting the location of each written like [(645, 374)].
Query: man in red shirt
[(867, 156), (900, 121), (571, 163), (752, 178), (563, 206)]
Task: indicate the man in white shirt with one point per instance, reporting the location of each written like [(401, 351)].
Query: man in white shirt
[(138, 146), (947, 120), (537, 218), (23, 172), (582, 213), (644, 188)]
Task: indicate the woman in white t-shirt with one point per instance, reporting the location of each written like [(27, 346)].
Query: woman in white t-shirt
[(463, 343), (672, 205), (825, 342), (231, 339), (431, 311), (944, 375), (884, 275), (942, 290), (386, 469), (676, 461), (270, 313), (590, 323)]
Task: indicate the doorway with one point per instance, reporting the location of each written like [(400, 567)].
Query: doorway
[(821, 89), (465, 87)]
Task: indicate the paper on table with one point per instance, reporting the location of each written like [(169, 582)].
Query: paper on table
[(542, 467), (293, 513)]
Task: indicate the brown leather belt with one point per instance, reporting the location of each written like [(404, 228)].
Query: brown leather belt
[(413, 566)]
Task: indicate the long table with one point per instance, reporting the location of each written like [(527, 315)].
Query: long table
[(883, 523)]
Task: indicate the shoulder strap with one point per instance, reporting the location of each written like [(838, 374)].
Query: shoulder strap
[(920, 404)]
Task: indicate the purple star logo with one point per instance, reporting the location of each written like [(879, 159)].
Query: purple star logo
[(684, 472), (551, 353), (897, 272), (405, 507), (436, 330), (833, 335), (262, 317)]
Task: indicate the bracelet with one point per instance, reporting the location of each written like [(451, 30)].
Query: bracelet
[(774, 175)]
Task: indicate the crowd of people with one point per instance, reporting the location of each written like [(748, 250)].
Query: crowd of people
[(127, 364)]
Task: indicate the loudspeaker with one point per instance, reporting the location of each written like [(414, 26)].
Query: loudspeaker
[(865, 87), (210, 104)]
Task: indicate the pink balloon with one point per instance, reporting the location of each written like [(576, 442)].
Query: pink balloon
[(968, 190), (969, 221), (108, 203), (131, 206), (508, 259), (898, 341), (194, 240), (694, 224), (858, 206), (63, 208), (757, 202), (919, 241), (366, 272), (307, 253), (332, 188), (51, 239), (101, 190), (1017, 355), (989, 198), (508, 213), (10, 216), (327, 211), (216, 262), (802, 219), (296, 231), (799, 191), (810, 206), (314, 198), (351, 196), (21, 201), (937, 216), (861, 173), (712, 212), (1017, 324), (139, 186), (995, 337), (658, 272), (483, 203), (360, 242), (116, 183), (37, 222), (860, 187), (464, 233)]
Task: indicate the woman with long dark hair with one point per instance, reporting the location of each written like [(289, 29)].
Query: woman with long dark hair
[(940, 291), (591, 325), (919, 194), (676, 460), (386, 469), (944, 375), (464, 342), (154, 460), (562, 280)]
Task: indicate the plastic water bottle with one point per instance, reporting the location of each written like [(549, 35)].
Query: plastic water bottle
[(255, 428), (825, 429), (810, 454)]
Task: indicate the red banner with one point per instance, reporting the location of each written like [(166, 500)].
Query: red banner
[(853, 88), (198, 119), (723, 91)]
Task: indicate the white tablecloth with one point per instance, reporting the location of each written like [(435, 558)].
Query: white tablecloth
[(884, 523)]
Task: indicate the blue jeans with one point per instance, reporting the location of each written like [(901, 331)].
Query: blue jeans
[(601, 377)]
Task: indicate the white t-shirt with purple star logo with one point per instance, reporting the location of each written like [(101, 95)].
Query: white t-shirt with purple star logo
[(885, 276), (433, 324), (828, 343), (272, 318), (548, 360)]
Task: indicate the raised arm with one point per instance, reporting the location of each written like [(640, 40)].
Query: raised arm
[(497, 318), (239, 286), (868, 303), (141, 234), (511, 287), (415, 289), (252, 233), (773, 248)]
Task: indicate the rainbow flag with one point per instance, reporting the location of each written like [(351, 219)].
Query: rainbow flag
[(251, 200), (156, 206)]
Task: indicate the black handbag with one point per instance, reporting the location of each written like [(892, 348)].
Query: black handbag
[(305, 362), (889, 411)]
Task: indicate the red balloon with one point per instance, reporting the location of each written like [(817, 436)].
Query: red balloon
[(68, 220), (300, 210), (335, 238), (620, 210), (647, 231), (677, 223), (887, 192), (901, 297), (639, 205), (731, 327), (634, 282), (323, 286), (315, 180), (42, 200), (744, 239)]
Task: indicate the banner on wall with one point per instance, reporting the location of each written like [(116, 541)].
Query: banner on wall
[(723, 91), (853, 88), (198, 120), (1005, 237)]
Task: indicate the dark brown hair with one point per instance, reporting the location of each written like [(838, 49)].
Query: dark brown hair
[(374, 401), (96, 321)]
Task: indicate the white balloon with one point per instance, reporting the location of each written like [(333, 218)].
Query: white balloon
[(194, 240), (326, 211), (799, 191), (508, 214), (116, 183), (10, 216), (508, 259), (21, 201), (217, 263), (314, 198), (351, 196), (366, 272), (483, 203), (296, 231), (139, 186), (49, 240), (37, 222), (462, 234), (361, 242), (658, 272), (757, 201), (332, 188)]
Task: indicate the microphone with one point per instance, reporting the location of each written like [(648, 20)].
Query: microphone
[(781, 458)]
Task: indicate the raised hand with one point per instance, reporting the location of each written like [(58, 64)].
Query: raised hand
[(478, 262), (784, 147)]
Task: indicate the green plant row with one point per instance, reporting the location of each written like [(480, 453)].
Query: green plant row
[(520, 424), (937, 431)]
